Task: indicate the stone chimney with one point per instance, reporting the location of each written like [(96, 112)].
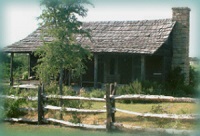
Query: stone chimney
[(180, 40)]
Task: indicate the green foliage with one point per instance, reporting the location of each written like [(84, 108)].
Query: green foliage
[(97, 93), (158, 109), (10, 91), (59, 20), (20, 65), (4, 65), (133, 88), (53, 89), (151, 88), (11, 108), (175, 80), (25, 75), (175, 85)]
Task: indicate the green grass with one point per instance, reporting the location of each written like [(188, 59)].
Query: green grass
[(50, 130), (169, 108)]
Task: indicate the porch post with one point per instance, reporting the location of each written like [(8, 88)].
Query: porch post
[(142, 67), (11, 69), (95, 70), (29, 64), (132, 70), (163, 68)]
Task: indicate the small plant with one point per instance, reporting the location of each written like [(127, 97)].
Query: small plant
[(11, 108), (133, 88), (97, 93), (75, 118), (158, 109), (152, 88), (25, 75)]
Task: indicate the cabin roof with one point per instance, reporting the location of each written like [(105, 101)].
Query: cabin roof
[(142, 37)]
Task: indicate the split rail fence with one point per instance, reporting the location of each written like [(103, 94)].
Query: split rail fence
[(110, 111)]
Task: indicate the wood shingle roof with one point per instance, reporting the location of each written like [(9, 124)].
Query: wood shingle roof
[(143, 37)]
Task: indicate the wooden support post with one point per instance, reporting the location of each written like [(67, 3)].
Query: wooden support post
[(40, 105), (95, 70), (108, 109), (113, 92), (29, 64), (11, 69), (142, 67), (163, 68), (132, 70)]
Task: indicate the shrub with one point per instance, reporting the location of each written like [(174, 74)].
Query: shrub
[(133, 88), (175, 85), (11, 108), (97, 93), (152, 88), (25, 75), (158, 109)]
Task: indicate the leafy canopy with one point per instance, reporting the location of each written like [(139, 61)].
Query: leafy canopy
[(59, 21)]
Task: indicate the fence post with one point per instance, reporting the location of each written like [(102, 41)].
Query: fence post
[(40, 104), (113, 92), (108, 109)]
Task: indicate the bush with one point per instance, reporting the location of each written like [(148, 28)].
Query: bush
[(25, 75), (158, 109), (97, 93), (132, 88), (11, 108), (53, 89), (175, 85), (151, 88)]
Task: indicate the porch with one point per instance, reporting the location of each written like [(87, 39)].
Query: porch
[(123, 69)]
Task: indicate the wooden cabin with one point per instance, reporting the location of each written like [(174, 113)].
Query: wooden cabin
[(124, 51)]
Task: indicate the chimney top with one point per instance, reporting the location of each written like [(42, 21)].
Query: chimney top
[(181, 8)]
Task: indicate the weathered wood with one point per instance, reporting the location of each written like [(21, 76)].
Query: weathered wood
[(154, 130), (108, 109), (78, 125), (26, 86), (163, 116), (157, 98), (11, 68), (21, 120), (113, 92), (29, 64), (142, 67), (50, 107), (95, 70), (74, 98), (29, 98), (40, 106)]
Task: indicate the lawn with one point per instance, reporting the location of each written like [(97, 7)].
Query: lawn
[(50, 130), (132, 120)]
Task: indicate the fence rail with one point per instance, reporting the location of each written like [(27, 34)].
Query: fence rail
[(74, 98), (29, 98), (50, 107), (110, 111), (157, 98), (79, 125), (163, 116)]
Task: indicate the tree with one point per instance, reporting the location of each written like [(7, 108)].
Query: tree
[(59, 21)]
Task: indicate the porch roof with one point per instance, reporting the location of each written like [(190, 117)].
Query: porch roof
[(142, 37)]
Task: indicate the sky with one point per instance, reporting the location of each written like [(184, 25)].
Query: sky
[(19, 17)]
